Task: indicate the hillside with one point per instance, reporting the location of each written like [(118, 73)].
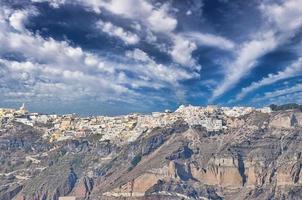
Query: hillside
[(192, 153)]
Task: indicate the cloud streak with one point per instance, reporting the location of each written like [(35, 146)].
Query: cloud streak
[(284, 20), (288, 94), (211, 40), (293, 70)]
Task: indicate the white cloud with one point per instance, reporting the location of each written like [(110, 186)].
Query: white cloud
[(138, 55), (160, 21), (53, 3), (125, 8), (17, 19), (288, 94), (113, 30), (157, 19), (56, 70), (289, 90), (291, 71), (182, 51), (284, 20), (189, 12), (161, 73), (28, 75), (247, 57), (210, 40), (287, 16), (152, 73)]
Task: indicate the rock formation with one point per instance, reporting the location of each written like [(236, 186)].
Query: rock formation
[(257, 156)]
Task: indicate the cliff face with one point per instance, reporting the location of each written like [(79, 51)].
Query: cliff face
[(257, 157)]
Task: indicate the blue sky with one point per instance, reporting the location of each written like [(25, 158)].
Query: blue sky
[(120, 56)]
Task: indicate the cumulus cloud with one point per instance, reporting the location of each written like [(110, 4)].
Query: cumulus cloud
[(17, 19), (138, 55), (160, 21), (171, 75), (47, 61), (157, 20), (286, 16), (148, 68), (113, 30), (182, 51), (53, 69)]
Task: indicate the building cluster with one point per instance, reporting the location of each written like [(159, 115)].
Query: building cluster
[(236, 111), (209, 117), (125, 127)]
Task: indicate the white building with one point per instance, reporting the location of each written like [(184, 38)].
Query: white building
[(25, 120), (237, 111), (265, 110)]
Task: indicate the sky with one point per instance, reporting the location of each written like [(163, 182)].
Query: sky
[(110, 57)]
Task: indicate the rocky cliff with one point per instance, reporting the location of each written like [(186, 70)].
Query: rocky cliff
[(258, 156)]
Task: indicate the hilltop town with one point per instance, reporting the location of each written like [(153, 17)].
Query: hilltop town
[(193, 152), (125, 128)]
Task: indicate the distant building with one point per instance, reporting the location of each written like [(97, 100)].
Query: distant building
[(265, 110), (237, 111), (24, 120)]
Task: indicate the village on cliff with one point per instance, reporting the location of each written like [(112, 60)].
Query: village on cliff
[(125, 127)]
